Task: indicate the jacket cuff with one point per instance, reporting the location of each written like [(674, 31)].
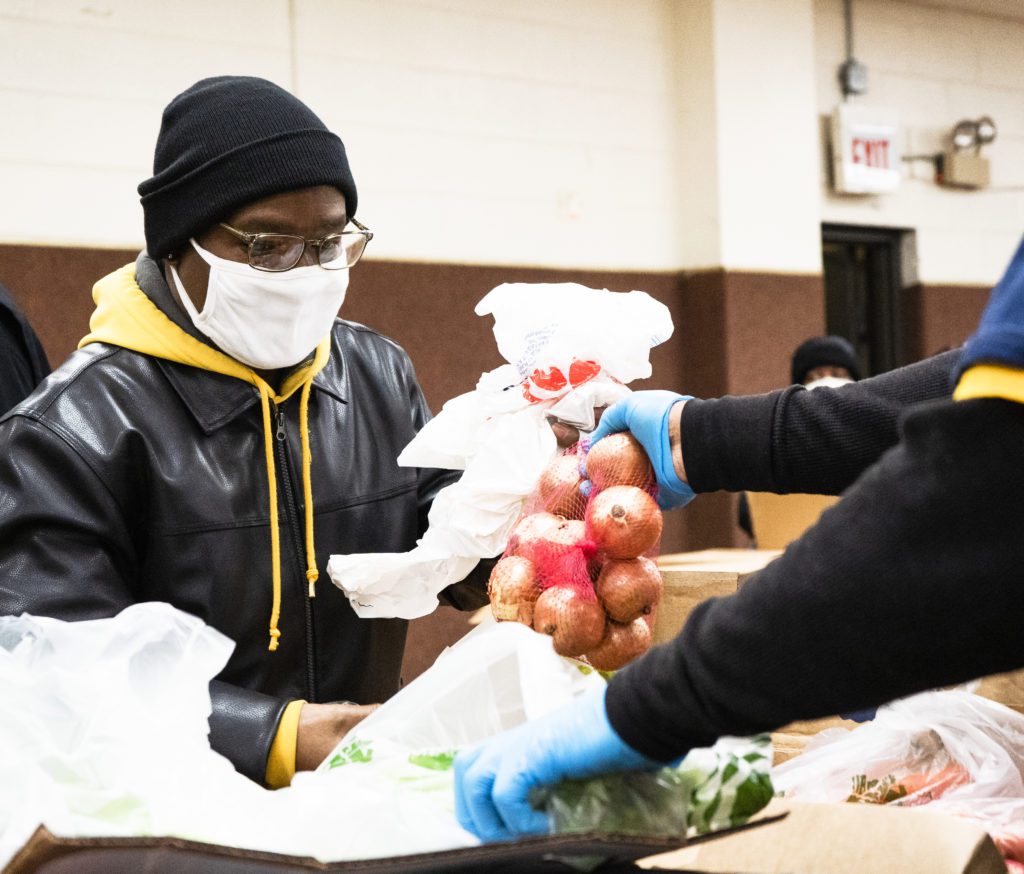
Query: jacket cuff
[(243, 725), (281, 761), (726, 442)]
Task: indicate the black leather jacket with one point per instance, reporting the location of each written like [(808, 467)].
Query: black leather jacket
[(128, 478)]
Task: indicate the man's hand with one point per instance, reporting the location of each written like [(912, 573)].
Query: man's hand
[(493, 781), (569, 435), (321, 726), (652, 418)]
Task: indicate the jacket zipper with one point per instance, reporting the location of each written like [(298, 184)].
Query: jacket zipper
[(291, 511)]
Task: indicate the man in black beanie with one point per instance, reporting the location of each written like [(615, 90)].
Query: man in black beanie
[(220, 432)]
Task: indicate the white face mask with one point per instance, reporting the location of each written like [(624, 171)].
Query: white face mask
[(828, 382), (265, 320)]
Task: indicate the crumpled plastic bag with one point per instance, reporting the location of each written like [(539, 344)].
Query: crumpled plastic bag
[(104, 729), (569, 349), (956, 752)]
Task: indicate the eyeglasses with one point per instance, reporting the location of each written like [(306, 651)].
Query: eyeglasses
[(276, 253)]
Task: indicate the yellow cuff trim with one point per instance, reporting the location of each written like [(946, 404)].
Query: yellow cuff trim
[(281, 761), (991, 381)]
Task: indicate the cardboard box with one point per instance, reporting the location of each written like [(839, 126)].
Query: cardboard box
[(46, 853), (841, 839), (1005, 688), (778, 520), (692, 577), (785, 837)]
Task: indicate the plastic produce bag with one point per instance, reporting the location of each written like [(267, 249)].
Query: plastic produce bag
[(496, 678), (713, 788), (951, 750), (569, 349)]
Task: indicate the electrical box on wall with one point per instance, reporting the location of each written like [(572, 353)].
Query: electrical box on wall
[(964, 170), (865, 150)]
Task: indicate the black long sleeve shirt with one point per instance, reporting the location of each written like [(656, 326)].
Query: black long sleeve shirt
[(913, 580), (23, 363)]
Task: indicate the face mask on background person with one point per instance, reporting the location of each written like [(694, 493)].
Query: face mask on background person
[(265, 320), (828, 382)]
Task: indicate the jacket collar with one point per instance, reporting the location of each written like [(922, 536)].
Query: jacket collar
[(214, 399)]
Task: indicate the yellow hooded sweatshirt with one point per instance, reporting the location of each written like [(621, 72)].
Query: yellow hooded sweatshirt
[(126, 317)]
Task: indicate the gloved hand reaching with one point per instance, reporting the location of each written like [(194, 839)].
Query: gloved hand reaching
[(493, 780), (645, 414)]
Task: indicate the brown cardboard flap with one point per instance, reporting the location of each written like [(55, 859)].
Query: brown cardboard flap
[(842, 839), (47, 853)]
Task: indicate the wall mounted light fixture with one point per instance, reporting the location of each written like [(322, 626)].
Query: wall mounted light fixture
[(962, 165)]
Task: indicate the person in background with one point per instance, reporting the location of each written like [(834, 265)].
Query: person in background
[(818, 362), (220, 432), (23, 363), (911, 582), (829, 360)]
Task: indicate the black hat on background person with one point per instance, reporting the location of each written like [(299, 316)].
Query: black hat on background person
[(229, 141), (830, 351)]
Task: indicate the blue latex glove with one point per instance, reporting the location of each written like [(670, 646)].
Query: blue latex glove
[(493, 780), (645, 415)]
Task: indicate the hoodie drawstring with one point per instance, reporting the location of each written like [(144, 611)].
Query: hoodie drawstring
[(312, 574), (275, 528)]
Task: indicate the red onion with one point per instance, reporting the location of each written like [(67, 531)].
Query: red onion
[(629, 588), (620, 645), (624, 521)]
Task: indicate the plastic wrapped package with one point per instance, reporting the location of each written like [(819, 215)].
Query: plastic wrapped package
[(569, 349), (953, 751)]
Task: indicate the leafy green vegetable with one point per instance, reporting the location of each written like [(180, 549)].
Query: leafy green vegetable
[(711, 789)]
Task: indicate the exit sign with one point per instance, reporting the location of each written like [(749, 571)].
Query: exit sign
[(865, 150)]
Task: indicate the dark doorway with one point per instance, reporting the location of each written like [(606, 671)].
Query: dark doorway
[(863, 282)]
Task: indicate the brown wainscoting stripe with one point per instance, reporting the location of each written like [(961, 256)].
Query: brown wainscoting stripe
[(53, 286), (939, 317), (734, 331), (768, 316)]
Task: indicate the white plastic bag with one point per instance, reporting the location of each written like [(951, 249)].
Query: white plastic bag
[(569, 349), (954, 751), (104, 733), (104, 723), (393, 770)]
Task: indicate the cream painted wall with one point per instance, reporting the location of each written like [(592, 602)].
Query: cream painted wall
[(935, 67), (764, 69), (480, 131), (580, 133)]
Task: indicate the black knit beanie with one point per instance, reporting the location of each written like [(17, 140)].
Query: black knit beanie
[(229, 141), (821, 352)]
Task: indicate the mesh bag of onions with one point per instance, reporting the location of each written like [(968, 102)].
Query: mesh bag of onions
[(579, 563)]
